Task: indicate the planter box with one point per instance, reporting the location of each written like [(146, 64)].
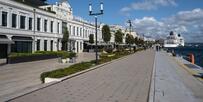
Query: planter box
[(49, 80), (64, 60), (12, 60), (111, 55)]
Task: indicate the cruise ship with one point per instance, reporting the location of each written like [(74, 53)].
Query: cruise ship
[(173, 40)]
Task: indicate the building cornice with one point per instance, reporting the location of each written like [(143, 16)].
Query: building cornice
[(27, 8)]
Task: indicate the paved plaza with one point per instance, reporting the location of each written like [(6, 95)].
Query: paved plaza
[(130, 79), (15, 78), (125, 80)]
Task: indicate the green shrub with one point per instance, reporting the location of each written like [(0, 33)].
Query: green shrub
[(72, 54), (67, 71), (63, 54), (109, 50), (23, 54)]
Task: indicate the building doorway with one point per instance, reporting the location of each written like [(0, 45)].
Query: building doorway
[(3, 51)]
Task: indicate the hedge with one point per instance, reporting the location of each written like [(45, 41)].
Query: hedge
[(63, 54), (67, 71)]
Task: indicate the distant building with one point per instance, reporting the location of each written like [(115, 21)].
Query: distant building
[(114, 28)]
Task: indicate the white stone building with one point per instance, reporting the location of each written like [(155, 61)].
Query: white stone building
[(27, 29), (114, 28)]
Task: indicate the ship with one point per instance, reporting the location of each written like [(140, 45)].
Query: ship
[(174, 40)]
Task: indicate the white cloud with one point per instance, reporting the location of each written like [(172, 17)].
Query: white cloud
[(143, 6), (125, 9), (187, 17), (148, 5), (164, 2), (148, 25), (188, 23)]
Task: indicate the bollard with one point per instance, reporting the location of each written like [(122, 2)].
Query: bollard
[(191, 58)]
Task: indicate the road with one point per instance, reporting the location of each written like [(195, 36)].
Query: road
[(125, 80)]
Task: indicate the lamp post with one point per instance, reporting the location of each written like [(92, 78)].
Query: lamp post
[(130, 25), (96, 14), (35, 45)]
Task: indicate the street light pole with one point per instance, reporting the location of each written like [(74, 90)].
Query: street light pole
[(130, 25), (96, 14), (96, 39), (35, 45)]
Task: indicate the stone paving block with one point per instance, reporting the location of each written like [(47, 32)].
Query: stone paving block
[(125, 80)]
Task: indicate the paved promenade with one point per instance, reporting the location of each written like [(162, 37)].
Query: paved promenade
[(173, 83), (15, 78), (125, 80)]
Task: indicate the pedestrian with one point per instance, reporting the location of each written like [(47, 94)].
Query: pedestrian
[(134, 48), (157, 48)]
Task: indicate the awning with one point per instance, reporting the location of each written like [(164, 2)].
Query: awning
[(6, 41), (20, 38)]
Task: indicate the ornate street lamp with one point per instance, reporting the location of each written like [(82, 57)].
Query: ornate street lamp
[(96, 14)]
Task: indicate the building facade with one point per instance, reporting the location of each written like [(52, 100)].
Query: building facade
[(124, 30), (24, 28)]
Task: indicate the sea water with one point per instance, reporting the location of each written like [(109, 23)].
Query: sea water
[(195, 48)]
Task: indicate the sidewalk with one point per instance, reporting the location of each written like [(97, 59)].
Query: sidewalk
[(17, 77), (124, 80), (173, 83)]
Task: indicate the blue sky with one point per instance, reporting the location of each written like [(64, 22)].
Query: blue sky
[(148, 14)]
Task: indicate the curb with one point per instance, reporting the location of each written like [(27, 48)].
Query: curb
[(151, 94), (42, 86)]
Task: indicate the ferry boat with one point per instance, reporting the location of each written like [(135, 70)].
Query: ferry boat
[(174, 40)]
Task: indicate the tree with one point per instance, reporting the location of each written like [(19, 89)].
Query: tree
[(106, 34), (140, 41), (136, 41), (65, 39), (119, 37), (129, 39), (91, 38)]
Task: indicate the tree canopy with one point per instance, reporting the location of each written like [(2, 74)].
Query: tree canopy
[(141, 41), (136, 40), (106, 34), (129, 39), (119, 37)]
